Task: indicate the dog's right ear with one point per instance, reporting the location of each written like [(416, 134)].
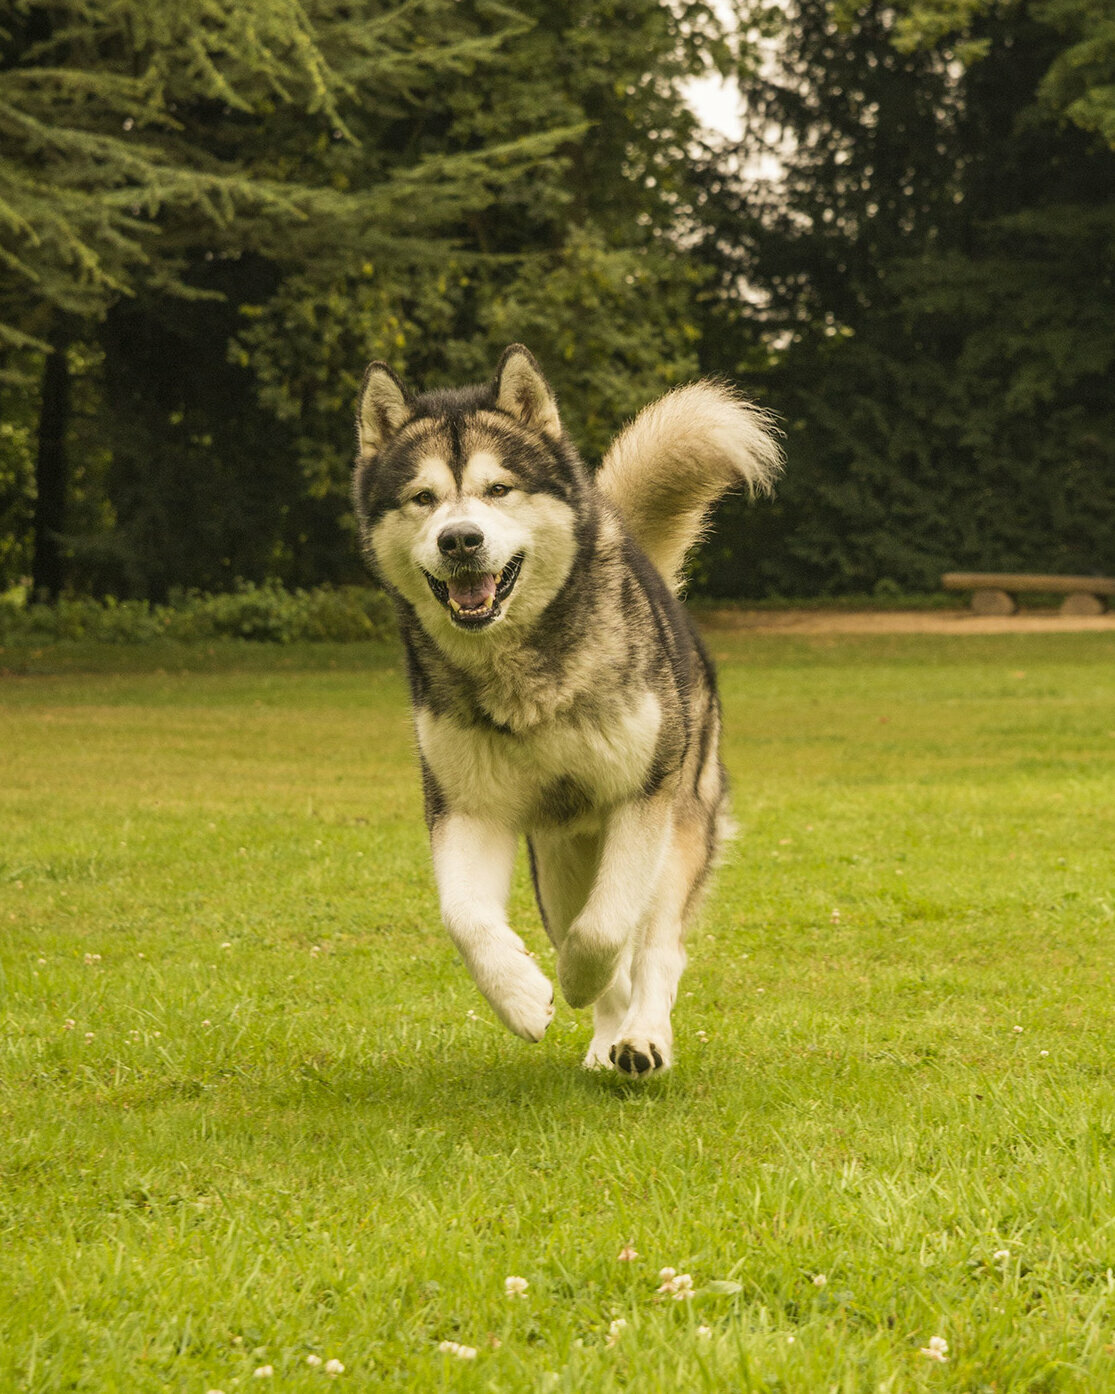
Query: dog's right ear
[(383, 408)]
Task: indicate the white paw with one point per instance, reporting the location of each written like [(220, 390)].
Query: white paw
[(521, 996), (640, 1055), (597, 1055)]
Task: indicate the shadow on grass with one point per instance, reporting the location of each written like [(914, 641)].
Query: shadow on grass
[(465, 1085)]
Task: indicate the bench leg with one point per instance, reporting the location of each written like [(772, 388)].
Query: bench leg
[(993, 602), (1082, 603)]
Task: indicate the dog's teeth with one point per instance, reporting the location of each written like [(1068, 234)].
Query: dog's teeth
[(454, 604), (499, 578)]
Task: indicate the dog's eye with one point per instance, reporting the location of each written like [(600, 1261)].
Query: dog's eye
[(499, 491), (424, 499)]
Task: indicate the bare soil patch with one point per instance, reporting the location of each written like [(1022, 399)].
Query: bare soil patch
[(730, 619)]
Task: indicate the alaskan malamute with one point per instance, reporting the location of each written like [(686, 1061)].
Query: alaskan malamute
[(560, 690)]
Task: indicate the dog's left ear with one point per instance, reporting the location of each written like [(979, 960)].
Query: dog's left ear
[(523, 392), (383, 408)]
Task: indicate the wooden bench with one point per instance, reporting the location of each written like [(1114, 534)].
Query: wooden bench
[(993, 591)]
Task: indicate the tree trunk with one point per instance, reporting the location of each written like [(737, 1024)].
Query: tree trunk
[(51, 472)]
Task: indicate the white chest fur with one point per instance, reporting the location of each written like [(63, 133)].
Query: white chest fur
[(505, 776)]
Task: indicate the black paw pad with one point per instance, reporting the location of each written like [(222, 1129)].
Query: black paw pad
[(631, 1062), (612, 1055), (657, 1057)]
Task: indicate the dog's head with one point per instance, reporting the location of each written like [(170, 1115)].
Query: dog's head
[(468, 499)]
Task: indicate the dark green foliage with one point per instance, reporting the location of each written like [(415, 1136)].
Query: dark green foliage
[(223, 211), (266, 614), (935, 281), (420, 182), (1079, 83)]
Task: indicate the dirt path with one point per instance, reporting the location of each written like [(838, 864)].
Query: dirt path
[(897, 622)]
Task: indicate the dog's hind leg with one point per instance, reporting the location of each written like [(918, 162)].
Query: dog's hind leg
[(644, 1043), (473, 861), (609, 1012), (635, 839), (564, 867)]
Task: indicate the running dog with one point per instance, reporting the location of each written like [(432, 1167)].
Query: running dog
[(560, 690)]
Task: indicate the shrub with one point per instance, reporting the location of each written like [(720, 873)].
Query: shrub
[(262, 613)]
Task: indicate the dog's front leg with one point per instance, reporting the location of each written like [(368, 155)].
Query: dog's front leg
[(635, 839), (473, 860)]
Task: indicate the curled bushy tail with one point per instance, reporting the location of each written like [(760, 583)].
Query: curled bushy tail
[(667, 468)]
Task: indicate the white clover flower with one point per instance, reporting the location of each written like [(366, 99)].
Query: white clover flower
[(315, 949), (313, 1361), (702, 1036), (835, 917), (1017, 1030), (1001, 1255), (515, 1287), (704, 1333), (628, 1254), (790, 1339), (263, 1372), (69, 1024), (819, 1280), (678, 1285), (334, 1367), (454, 1348), (937, 1349), (89, 1035), (91, 959), (1043, 1052), (615, 1331)]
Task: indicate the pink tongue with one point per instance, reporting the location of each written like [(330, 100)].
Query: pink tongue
[(470, 592)]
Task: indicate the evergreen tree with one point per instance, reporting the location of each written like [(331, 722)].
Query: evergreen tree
[(142, 140), (417, 181)]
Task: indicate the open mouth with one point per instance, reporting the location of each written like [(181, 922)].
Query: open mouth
[(473, 598)]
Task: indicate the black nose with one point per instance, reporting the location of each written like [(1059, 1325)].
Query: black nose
[(460, 540)]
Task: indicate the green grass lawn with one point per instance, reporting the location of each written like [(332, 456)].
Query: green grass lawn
[(252, 1110)]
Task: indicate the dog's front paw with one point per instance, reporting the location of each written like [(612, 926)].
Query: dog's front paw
[(522, 997), (640, 1056)]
